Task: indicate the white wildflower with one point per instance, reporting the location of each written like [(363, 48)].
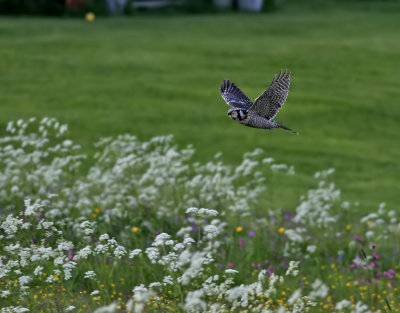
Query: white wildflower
[(293, 268), (12, 247), (95, 292), (369, 234), (193, 301), (111, 308), (188, 240), (38, 270), (293, 235), (295, 295), (231, 271), (63, 128), (10, 225), (134, 253), (119, 251), (83, 253), (160, 239), (65, 245), (5, 293), (361, 308), (159, 181), (342, 305), (59, 260), (31, 209), (90, 274), (345, 205), (206, 212), (268, 160), (211, 231), (67, 143), (192, 211), (152, 254), (155, 284), (44, 225), (50, 279), (179, 246), (237, 292), (271, 287), (311, 249), (319, 290), (168, 280), (23, 280), (279, 167), (369, 217), (104, 237), (101, 249), (14, 309), (142, 296), (324, 174), (68, 267)]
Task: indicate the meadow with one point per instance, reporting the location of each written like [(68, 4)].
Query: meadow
[(158, 75), (103, 211)]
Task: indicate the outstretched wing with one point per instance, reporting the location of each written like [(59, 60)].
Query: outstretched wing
[(234, 97), (272, 99)]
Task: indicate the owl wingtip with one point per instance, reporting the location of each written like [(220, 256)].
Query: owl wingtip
[(224, 84)]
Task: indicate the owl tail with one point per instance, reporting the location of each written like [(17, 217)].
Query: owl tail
[(284, 127)]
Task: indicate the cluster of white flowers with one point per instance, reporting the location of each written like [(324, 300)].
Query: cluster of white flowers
[(31, 163), (58, 226), (202, 212), (90, 274), (381, 224), (293, 268), (315, 210)]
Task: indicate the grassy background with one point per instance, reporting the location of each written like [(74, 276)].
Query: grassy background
[(155, 75)]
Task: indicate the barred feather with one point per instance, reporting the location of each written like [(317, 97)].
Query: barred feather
[(234, 97), (271, 100)]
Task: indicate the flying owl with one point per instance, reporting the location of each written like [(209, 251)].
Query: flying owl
[(259, 114)]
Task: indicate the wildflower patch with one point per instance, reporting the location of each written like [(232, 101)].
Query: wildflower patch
[(140, 227)]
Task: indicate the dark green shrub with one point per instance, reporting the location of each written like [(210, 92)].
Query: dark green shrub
[(198, 6), (35, 7)]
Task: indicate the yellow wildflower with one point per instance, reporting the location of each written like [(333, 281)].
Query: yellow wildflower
[(90, 16)]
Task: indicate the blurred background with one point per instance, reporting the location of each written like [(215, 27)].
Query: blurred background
[(154, 67)]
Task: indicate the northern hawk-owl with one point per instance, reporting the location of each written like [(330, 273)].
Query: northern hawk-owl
[(259, 114)]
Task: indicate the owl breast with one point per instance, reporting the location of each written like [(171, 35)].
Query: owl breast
[(239, 115)]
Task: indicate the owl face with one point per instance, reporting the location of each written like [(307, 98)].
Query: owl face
[(237, 115)]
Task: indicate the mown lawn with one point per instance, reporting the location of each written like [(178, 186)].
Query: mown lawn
[(156, 75)]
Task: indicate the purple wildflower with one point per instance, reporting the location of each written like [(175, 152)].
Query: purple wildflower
[(70, 255)]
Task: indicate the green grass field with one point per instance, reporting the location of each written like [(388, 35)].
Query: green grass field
[(156, 75), (134, 232)]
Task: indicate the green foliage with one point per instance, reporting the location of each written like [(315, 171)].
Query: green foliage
[(36, 7), (273, 5), (148, 228), (197, 6), (155, 76)]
